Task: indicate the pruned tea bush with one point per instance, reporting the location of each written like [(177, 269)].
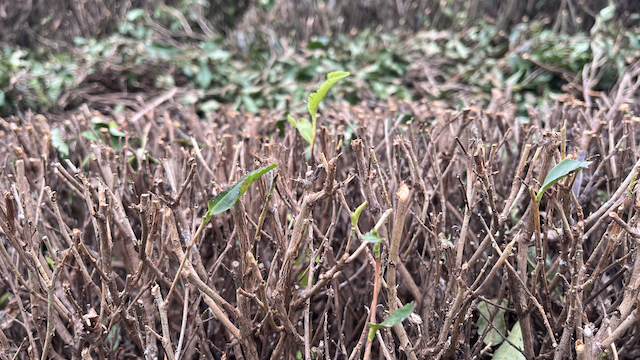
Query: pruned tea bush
[(409, 230)]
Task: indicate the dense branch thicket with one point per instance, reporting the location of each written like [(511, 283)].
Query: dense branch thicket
[(98, 209), (56, 23)]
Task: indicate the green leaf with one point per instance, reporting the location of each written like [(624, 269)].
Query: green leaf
[(249, 104), (225, 200), (4, 299), (607, 13), (396, 317), (492, 337), (316, 97), (115, 132), (580, 49), (134, 14), (321, 42), (632, 184), (58, 142), (564, 168), (508, 352), (372, 237), (462, 50), (209, 106), (99, 122), (89, 157), (89, 135), (356, 214), (204, 77), (304, 128)]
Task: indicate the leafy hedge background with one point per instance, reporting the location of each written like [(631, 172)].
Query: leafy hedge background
[(257, 54)]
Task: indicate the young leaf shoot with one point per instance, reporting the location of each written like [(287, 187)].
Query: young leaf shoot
[(396, 317), (225, 200), (564, 168)]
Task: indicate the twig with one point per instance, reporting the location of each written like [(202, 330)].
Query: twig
[(619, 192), (162, 308), (50, 301), (394, 248), (154, 104), (185, 315), (364, 176)]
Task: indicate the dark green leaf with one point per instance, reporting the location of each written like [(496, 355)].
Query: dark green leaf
[(210, 106), (4, 299), (321, 42), (580, 49), (607, 13), (204, 76), (492, 337), (89, 135), (115, 132), (508, 352), (397, 317), (249, 104), (99, 122), (58, 142), (564, 168), (89, 157), (225, 200), (134, 14)]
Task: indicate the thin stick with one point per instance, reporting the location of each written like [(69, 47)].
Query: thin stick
[(162, 308), (396, 237), (185, 315), (372, 309), (50, 294), (621, 191), (184, 258)]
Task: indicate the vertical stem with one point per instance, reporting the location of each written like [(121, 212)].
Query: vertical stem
[(50, 299), (307, 308), (162, 308), (185, 315), (392, 293), (372, 310)]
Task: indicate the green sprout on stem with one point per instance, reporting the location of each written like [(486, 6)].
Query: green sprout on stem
[(564, 168), (306, 128), (396, 317), (219, 204), (372, 237)]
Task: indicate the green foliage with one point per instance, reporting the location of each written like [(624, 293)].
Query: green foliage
[(112, 126), (305, 128), (473, 56), (564, 168), (492, 337), (4, 299), (58, 142), (632, 184), (508, 352), (308, 129), (396, 317), (372, 237), (356, 214), (316, 97), (226, 198)]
